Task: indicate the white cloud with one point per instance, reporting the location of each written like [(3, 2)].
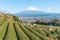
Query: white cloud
[(32, 8), (49, 9)]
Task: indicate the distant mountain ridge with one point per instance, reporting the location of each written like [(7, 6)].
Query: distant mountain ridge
[(31, 13)]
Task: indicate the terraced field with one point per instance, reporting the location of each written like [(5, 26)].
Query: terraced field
[(15, 31)]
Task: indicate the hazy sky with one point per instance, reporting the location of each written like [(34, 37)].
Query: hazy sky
[(14, 6)]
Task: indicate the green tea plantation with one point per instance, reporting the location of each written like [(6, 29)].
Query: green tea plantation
[(11, 29)]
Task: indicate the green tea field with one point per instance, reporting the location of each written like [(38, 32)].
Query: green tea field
[(10, 30)]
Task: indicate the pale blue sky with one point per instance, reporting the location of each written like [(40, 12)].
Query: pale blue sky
[(15, 6)]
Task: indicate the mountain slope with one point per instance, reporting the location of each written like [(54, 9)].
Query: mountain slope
[(35, 13)]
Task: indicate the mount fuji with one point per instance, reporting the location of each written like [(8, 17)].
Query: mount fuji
[(35, 13)]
